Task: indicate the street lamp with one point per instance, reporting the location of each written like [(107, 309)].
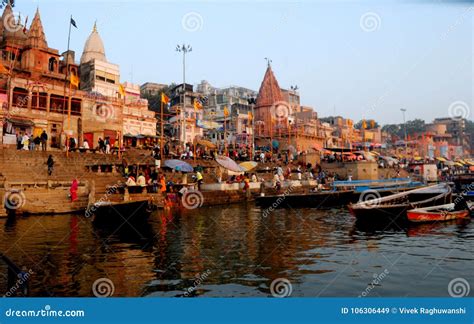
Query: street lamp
[(403, 110), (183, 49), (252, 102)]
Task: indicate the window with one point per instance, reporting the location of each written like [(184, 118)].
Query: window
[(20, 98), (56, 103), (52, 64), (39, 100)]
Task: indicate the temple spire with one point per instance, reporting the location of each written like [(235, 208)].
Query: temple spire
[(270, 91), (36, 36)]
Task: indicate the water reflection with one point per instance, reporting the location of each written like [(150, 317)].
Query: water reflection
[(234, 251)]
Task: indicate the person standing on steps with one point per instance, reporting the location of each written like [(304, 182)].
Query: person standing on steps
[(50, 164), (44, 140)]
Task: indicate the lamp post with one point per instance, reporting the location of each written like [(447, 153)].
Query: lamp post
[(403, 110), (252, 101), (183, 49), (292, 91)]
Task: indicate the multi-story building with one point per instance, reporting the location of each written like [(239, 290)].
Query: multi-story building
[(152, 89), (37, 93), (184, 121)]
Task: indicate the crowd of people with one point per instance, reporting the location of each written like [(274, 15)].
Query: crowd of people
[(28, 142)]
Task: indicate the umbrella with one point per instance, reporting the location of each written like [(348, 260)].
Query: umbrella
[(206, 143), (179, 165), (247, 166), (228, 163)]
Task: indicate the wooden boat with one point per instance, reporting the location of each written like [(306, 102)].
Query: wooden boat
[(437, 213), (320, 199), (120, 211), (338, 196), (395, 206)]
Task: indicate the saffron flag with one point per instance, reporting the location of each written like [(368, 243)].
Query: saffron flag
[(121, 90), (197, 105), (3, 69), (250, 116), (165, 99), (364, 124), (73, 22), (74, 80), (226, 111)]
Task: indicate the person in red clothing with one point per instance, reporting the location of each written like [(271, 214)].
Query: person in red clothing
[(73, 190)]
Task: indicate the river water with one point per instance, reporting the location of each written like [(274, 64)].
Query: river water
[(233, 251)]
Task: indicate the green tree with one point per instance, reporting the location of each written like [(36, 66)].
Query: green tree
[(154, 101), (358, 125)]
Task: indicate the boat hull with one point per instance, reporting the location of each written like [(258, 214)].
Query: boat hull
[(396, 212), (121, 211), (311, 200), (420, 216)]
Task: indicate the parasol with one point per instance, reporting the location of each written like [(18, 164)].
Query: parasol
[(179, 165), (228, 163), (247, 166), (206, 143)]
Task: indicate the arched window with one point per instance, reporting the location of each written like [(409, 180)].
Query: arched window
[(52, 65)]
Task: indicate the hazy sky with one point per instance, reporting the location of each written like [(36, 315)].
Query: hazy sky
[(356, 59)]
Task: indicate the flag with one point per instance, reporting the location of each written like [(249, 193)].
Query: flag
[(74, 80), (73, 22), (3, 69), (364, 124), (226, 111), (197, 104), (165, 99), (24, 28), (121, 90), (250, 116)]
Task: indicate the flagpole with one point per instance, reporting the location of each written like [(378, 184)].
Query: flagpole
[(161, 137), (64, 96)]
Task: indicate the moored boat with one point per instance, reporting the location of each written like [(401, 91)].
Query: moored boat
[(437, 213), (395, 206), (121, 211), (322, 199)]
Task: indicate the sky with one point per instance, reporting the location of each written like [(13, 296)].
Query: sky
[(357, 59)]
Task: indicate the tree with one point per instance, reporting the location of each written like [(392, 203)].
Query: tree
[(154, 100), (370, 124)]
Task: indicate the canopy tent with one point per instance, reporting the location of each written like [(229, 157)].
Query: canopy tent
[(441, 159), (179, 165), (248, 166), (228, 163)]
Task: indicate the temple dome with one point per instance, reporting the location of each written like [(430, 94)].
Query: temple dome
[(94, 48)]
